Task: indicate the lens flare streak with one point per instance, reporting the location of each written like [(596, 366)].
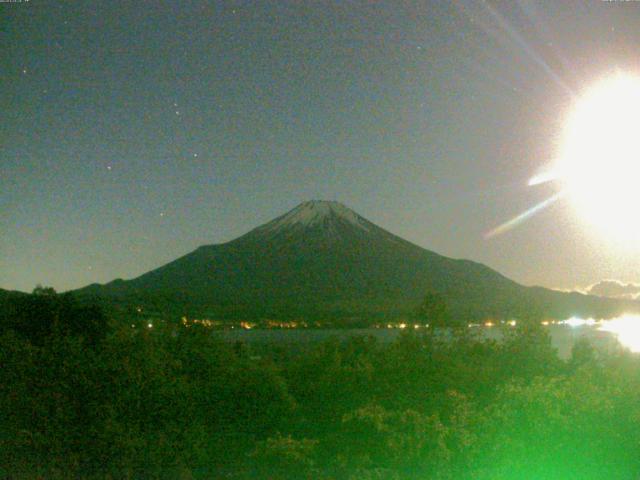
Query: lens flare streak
[(520, 41), (523, 216), (543, 178)]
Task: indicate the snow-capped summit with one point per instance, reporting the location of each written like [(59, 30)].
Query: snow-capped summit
[(322, 260), (317, 212)]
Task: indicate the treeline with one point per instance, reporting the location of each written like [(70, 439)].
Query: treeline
[(83, 398)]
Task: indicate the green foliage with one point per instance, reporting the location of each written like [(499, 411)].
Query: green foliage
[(434, 310), (527, 352), (45, 315), (173, 402), (582, 353), (583, 427), (407, 440), (281, 457)]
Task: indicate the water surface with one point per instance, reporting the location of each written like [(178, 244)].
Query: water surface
[(562, 336)]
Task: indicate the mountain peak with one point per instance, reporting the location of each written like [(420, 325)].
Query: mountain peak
[(314, 212), (322, 260)]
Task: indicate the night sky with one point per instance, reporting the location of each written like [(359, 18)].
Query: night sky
[(134, 132)]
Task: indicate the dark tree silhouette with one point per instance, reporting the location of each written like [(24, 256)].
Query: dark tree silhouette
[(434, 310), (45, 313)]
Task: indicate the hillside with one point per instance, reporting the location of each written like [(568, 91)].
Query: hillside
[(322, 260)]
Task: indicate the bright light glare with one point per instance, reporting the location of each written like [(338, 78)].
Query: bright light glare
[(626, 329), (600, 160), (578, 322)]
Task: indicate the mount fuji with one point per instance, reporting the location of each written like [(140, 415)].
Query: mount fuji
[(322, 260)]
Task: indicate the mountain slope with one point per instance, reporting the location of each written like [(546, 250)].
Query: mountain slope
[(5, 294), (321, 259), (8, 296)]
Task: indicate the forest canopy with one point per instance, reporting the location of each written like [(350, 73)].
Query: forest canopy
[(81, 397)]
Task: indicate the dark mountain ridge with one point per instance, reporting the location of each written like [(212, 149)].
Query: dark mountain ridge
[(322, 260)]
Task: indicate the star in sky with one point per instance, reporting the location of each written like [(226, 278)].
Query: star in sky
[(358, 103)]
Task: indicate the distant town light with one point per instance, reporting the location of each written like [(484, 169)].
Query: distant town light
[(578, 322)]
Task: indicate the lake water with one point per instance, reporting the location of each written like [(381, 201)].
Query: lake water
[(562, 336)]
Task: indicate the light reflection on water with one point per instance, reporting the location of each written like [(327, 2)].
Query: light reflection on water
[(626, 329), (605, 335), (579, 322)]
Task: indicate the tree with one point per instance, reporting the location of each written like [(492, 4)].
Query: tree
[(434, 310), (280, 457), (582, 353), (44, 291), (375, 438), (45, 314)]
